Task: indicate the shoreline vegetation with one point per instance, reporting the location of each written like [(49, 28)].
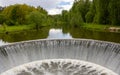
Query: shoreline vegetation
[(100, 27), (96, 27), (7, 29), (84, 14)]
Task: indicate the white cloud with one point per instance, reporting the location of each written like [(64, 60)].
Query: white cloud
[(0, 4), (67, 7), (49, 5), (54, 11)]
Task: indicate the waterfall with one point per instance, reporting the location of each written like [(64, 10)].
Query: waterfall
[(106, 54), (59, 67)]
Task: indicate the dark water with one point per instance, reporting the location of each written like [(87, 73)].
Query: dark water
[(60, 33)]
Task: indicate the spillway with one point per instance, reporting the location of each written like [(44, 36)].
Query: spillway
[(104, 54), (59, 67)]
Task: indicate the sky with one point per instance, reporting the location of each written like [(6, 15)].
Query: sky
[(52, 6)]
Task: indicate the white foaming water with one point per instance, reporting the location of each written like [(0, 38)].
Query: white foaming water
[(106, 54), (59, 67), (3, 43)]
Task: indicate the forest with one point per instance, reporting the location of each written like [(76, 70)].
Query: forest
[(105, 12)]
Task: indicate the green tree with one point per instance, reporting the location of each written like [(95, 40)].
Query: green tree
[(2, 18), (48, 21), (102, 14), (40, 9), (91, 13), (81, 6), (65, 17), (114, 9), (37, 19), (76, 19), (16, 14), (75, 16)]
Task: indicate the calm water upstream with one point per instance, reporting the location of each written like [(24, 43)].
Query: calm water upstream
[(60, 33)]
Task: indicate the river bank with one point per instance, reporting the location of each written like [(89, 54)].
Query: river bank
[(4, 29), (99, 27), (89, 26)]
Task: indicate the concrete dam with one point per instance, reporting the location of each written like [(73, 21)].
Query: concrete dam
[(60, 57)]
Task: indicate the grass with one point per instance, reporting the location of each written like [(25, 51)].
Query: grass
[(90, 26), (15, 28), (98, 27)]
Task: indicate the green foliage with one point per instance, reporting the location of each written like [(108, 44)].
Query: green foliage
[(65, 15), (2, 18), (48, 21), (81, 6), (102, 14), (37, 18), (14, 28), (16, 14), (90, 15), (114, 10), (95, 11), (96, 27), (76, 20), (107, 12), (57, 20), (4, 27), (76, 16), (40, 9)]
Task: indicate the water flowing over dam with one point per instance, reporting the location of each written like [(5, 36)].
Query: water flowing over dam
[(59, 67), (105, 54)]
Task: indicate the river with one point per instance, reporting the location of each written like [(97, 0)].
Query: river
[(59, 33)]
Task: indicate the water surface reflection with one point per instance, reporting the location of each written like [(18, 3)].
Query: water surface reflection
[(59, 33)]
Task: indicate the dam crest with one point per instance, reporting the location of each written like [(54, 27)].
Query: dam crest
[(104, 54)]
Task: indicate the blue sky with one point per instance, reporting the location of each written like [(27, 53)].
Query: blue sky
[(52, 6), (64, 3)]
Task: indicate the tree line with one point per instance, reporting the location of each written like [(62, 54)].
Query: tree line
[(82, 11), (95, 11), (22, 14)]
